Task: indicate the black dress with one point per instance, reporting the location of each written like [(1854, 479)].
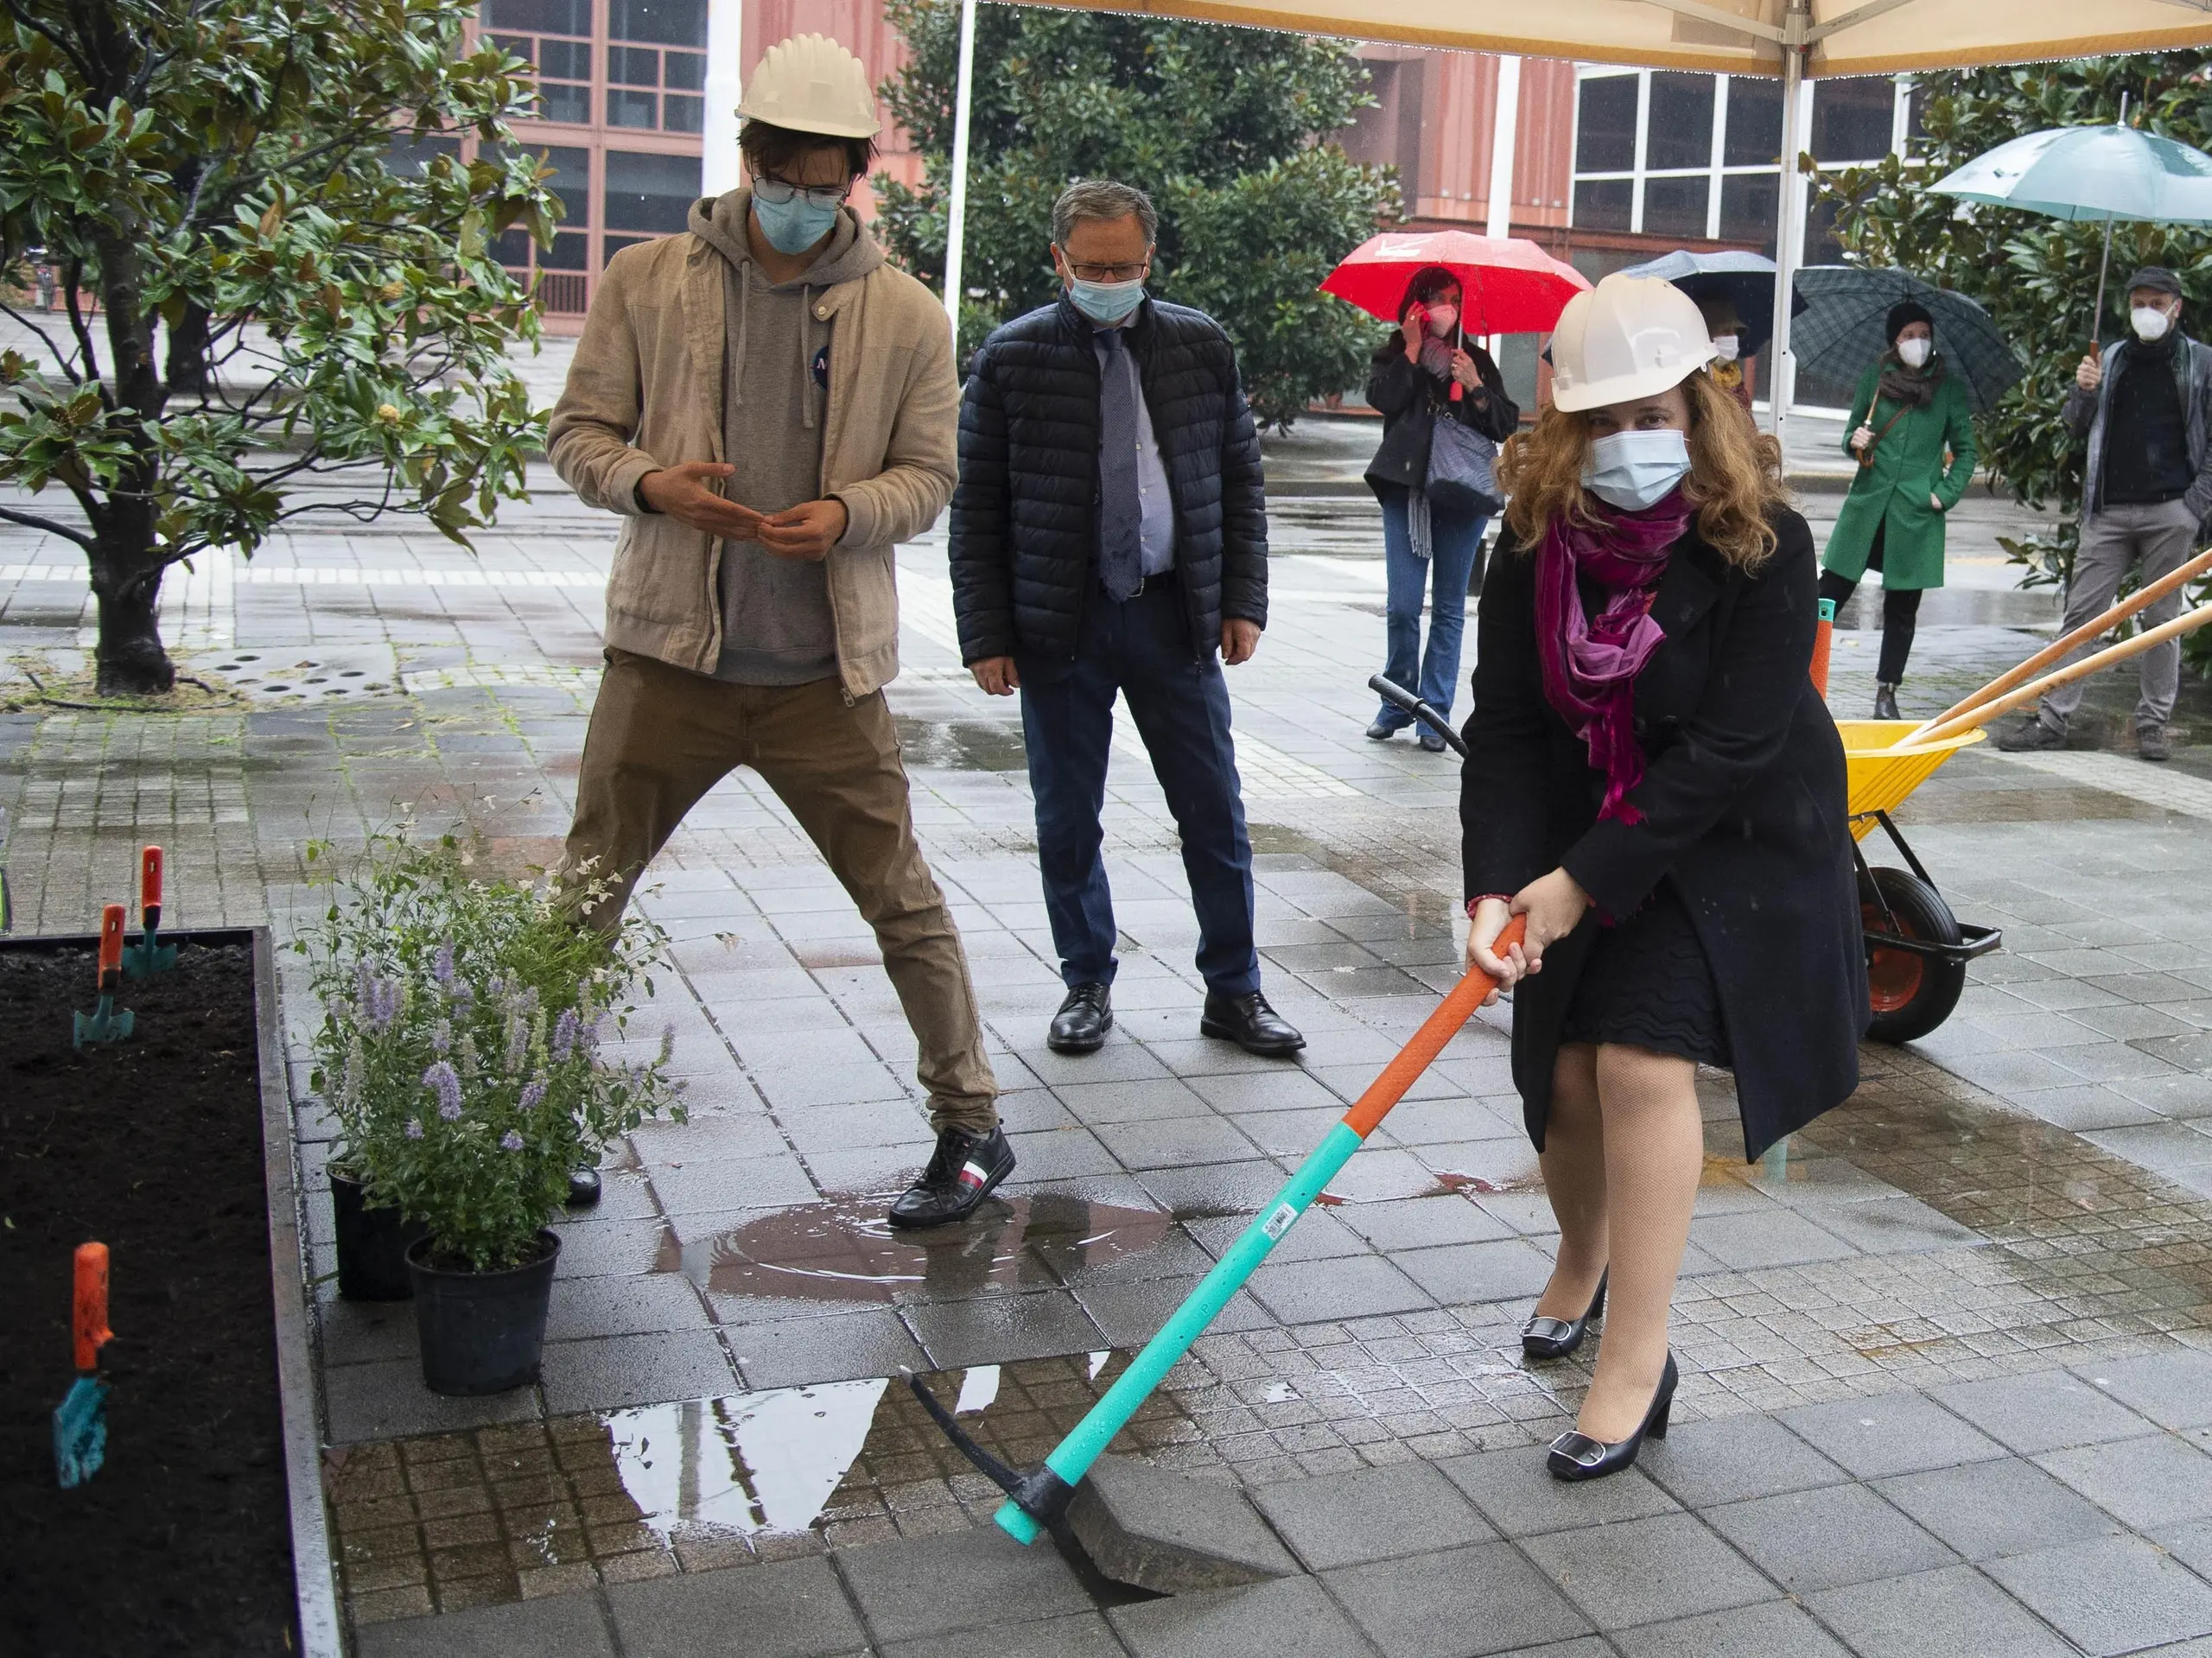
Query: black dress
[(1742, 850)]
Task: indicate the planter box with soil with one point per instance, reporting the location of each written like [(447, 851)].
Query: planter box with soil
[(205, 1531)]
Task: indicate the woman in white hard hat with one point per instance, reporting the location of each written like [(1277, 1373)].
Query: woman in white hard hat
[(1652, 781)]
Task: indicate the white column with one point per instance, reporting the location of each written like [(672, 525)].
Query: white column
[(718, 171), (1779, 372), (956, 217), (1504, 138)]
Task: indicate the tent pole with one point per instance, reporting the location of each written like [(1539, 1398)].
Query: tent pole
[(1790, 215), (956, 229)]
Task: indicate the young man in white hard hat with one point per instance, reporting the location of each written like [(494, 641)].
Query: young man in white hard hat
[(771, 407)]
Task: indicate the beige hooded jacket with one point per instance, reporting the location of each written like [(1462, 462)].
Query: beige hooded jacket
[(645, 392)]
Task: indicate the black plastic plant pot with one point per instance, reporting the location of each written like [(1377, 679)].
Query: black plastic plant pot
[(481, 1332), (372, 1245)]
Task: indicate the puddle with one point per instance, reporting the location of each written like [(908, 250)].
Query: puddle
[(845, 1250), (961, 744)]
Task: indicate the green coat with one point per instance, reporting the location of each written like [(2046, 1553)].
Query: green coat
[(1892, 493)]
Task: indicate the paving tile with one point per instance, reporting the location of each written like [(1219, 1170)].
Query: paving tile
[(788, 1609), (1372, 1514), (1986, 1509), (2157, 1481), (1894, 1226), (1827, 1537), (1663, 1566), (1359, 1286), (567, 1624), (2113, 1595), (1215, 1188), (1463, 1602), (1518, 1496), (1319, 1234), (2173, 1388), (387, 1400), (1772, 1628), (840, 1347), (992, 1329), (1422, 1222), (965, 1580), (2046, 1412), (1179, 1142), (645, 1369), (1951, 1613), (1895, 1433), (1290, 1618), (1083, 1636), (1130, 1314), (1774, 1236), (1460, 1274), (624, 1306), (1732, 1458)]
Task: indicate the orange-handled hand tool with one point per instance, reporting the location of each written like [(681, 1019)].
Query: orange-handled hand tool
[(89, 1322), (149, 955), (106, 1023), (80, 1419), (1040, 1499), (112, 920)]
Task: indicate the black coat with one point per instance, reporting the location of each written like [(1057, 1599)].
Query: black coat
[(1411, 400), (1742, 802), (1025, 514)]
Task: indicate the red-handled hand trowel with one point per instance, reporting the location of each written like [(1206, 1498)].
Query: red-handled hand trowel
[(150, 955), (80, 1420), (107, 1022)]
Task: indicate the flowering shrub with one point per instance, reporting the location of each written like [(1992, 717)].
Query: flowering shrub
[(462, 1048)]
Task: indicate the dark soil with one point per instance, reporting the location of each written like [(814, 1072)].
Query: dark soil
[(181, 1543)]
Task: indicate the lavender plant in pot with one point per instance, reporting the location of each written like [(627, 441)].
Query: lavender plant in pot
[(469, 1055)]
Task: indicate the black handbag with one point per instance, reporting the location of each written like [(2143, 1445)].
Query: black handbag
[(1462, 469)]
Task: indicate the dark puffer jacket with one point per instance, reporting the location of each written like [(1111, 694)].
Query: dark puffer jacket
[(1025, 514)]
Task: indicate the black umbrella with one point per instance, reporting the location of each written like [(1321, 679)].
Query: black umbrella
[(1746, 280), (1845, 327)]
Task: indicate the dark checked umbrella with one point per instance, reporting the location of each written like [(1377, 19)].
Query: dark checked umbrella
[(1844, 328), (1745, 279)]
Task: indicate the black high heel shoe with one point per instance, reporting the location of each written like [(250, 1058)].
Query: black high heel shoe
[(1543, 1337), (1577, 1456)]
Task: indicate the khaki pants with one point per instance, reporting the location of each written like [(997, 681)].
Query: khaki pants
[(2158, 539), (660, 737)]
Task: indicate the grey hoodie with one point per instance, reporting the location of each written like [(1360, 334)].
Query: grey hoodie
[(777, 624)]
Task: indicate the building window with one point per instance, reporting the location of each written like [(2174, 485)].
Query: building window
[(554, 37), (411, 157), (652, 193), (634, 98), (559, 270), (1696, 157)]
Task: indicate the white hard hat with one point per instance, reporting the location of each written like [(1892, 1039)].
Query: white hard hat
[(1629, 337), (810, 84)]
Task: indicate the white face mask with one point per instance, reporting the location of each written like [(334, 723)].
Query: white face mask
[(1913, 353), (2150, 323), (1728, 345), (1633, 470), (1442, 319)]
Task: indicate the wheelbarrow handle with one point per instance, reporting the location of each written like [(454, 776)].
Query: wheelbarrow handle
[(1399, 697)]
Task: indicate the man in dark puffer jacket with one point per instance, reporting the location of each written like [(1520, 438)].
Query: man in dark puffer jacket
[(1109, 534)]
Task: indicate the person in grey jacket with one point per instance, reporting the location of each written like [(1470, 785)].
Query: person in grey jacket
[(2146, 407)]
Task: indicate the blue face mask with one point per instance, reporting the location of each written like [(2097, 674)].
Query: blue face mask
[(1634, 470), (795, 225), (1105, 303)]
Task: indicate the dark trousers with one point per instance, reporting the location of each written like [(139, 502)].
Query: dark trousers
[(1142, 649), (1900, 614)]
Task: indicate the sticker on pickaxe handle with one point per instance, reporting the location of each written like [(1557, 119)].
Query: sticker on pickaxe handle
[(150, 888), (89, 1322), (112, 921)]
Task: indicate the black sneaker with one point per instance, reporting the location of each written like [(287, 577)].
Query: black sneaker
[(964, 1169), (2031, 736), (1249, 1023), (2152, 743), (1084, 1018)]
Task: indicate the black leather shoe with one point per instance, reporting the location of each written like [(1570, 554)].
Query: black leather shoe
[(1577, 1456), (963, 1171), (1249, 1023), (1084, 1018), (1885, 702), (1544, 1337), (2030, 736), (1432, 742), (2152, 744), (1379, 732), (583, 1188)]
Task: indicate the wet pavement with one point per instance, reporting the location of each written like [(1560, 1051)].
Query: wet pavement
[(2019, 1199)]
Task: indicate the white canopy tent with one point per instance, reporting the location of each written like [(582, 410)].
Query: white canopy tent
[(1791, 40)]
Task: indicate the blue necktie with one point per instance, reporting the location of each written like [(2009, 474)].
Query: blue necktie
[(1121, 510)]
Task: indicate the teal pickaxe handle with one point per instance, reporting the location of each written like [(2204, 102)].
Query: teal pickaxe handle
[(1071, 1460)]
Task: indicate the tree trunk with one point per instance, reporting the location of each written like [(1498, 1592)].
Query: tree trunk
[(131, 660)]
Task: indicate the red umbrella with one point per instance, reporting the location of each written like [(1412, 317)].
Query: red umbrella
[(1509, 284)]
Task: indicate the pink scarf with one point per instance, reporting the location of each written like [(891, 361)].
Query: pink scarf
[(1590, 667)]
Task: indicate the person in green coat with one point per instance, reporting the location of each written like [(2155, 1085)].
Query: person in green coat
[(1909, 413)]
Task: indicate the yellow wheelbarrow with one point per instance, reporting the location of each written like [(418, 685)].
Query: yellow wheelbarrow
[(1916, 949)]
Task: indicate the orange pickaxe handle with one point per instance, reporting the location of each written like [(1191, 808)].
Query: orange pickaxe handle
[(90, 1320), (111, 946)]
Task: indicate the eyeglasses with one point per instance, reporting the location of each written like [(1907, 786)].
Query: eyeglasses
[(1108, 273), (778, 192)]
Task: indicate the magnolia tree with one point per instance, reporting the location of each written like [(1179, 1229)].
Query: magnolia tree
[(259, 311)]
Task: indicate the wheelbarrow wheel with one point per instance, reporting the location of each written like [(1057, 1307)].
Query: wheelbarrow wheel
[(1912, 994)]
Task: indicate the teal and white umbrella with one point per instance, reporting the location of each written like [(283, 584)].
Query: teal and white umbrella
[(2093, 173)]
